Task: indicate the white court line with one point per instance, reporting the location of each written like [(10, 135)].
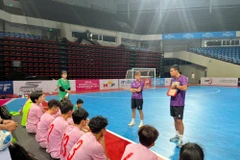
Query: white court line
[(12, 99), (203, 93), (135, 143)]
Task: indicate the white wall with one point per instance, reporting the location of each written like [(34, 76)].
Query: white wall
[(180, 45), (225, 3), (1, 25), (238, 34), (215, 68), (18, 28)]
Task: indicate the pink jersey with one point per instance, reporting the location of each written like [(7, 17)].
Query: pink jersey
[(58, 114), (138, 152), (42, 129), (70, 137), (70, 121), (33, 118), (87, 148), (55, 133)]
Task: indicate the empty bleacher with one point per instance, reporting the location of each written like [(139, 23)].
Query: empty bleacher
[(47, 58), (227, 54)]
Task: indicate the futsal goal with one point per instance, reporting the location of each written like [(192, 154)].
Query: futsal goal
[(148, 75)]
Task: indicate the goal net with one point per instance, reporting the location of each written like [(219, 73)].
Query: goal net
[(148, 75)]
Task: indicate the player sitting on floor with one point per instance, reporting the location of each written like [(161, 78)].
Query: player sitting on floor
[(36, 111), (57, 128), (147, 137), (88, 146), (73, 132), (45, 122), (78, 105)]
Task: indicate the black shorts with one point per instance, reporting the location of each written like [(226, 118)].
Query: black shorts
[(137, 103), (177, 111)]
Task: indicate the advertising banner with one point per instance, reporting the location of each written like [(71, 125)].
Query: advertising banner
[(125, 83), (90, 84), (199, 35), (108, 84), (6, 87), (45, 86), (219, 81), (159, 81), (147, 82)]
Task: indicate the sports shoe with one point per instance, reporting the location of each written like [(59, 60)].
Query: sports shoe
[(132, 123), (174, 139), (140, 125), (180, 143)]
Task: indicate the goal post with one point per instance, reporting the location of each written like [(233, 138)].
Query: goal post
[(147, 74)]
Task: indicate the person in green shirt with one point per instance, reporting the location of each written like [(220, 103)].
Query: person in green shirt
[(63, 86), (25, 111), (78, 105)]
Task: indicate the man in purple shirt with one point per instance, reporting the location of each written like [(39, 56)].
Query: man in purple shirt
[(177, 102), (137, 98)]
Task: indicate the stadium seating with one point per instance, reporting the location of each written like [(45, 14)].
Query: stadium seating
[(227, 54), (47, 58)]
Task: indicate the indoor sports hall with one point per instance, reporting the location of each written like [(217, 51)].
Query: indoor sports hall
[(164, 73)]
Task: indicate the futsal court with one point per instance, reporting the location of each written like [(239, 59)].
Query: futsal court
[(211, 118)]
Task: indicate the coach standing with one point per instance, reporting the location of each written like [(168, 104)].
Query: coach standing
[(177, 102)]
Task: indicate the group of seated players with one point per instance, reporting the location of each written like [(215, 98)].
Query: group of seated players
[(66, 133)]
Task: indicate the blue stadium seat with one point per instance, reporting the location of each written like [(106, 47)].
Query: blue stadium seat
[(228, 54)]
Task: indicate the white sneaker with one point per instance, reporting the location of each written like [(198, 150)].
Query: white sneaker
[(174, 139), (132, 123), (180, 143), (140, 125)]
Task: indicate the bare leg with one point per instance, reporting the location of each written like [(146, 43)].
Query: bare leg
[(180, 126), (175, 124), (141, 114), (133, 113), (133, 117)]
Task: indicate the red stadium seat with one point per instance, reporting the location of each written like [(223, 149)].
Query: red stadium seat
[(51, 70), (5, 47), (30, 59), (6, 58)]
